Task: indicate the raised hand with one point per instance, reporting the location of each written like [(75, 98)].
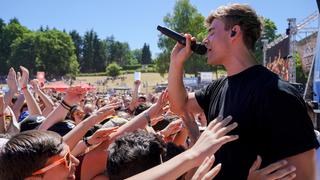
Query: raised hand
[(2, 104), (278, 170), (23, 79), (12, 80), (213, 138), (172, 128), (74, 95), (180, 53), (203, 172), (137, 83), (101, 135), (104, 112), (161, 106), (35, 85)]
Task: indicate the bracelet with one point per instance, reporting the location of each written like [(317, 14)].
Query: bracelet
[(65, 105), (146, 115), (85, 140)]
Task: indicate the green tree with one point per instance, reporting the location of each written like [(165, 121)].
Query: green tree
[(185, 19), (94, 53), (270, 33), (100, 55), (118, 52), (8, 34), (300, 76), (137, 54), (146, 54), (86, 63), (113, 70), (78, 44), (51, 51), (160, 66)]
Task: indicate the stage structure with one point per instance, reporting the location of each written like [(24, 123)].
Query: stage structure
[(280, 54), (300, 40)]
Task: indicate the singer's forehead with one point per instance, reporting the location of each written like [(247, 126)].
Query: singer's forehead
[(216, 24)]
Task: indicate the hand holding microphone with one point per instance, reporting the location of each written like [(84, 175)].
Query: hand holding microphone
[(196, 47)]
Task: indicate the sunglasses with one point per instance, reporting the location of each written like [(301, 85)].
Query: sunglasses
[(66, 160)]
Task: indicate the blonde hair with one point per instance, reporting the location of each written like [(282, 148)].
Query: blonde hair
[(242, 15)]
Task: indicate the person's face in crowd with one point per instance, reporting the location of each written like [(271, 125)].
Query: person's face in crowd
[(100, 102), (61, 166), (217, 43), (88, 108), (142, 100), (78, 115)]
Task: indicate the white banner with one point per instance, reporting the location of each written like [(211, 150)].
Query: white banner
[(206, 76)]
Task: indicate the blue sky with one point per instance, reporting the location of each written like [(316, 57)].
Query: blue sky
[(133, 21)]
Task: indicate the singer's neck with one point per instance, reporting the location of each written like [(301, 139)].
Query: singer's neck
[(239, 61)]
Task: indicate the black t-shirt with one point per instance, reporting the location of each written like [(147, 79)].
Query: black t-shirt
[(271, 115)]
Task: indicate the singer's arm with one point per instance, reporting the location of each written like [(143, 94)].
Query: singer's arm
[(180, 100)]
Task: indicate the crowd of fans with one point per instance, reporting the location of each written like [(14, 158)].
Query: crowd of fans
[(84, 135), (280, 66)]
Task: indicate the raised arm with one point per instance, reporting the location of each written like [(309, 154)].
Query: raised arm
[(178, 96), (73, 96), (13, 86), (77, 133), (46, 100), (140, 121), (2, 116), (135, 92), (33, 106), (208, 143), (18, 105)]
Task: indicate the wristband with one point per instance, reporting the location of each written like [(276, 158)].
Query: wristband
[(65, 105), (85, 140), (146, 115)]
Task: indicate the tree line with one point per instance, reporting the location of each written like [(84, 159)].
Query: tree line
[(61, 53)]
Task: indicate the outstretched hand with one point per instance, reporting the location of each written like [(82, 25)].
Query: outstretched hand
[(74, 95), (172, 128), (278, 170), (213, 138), (203, 172), (101, 135), (104, 112), (161, 105)]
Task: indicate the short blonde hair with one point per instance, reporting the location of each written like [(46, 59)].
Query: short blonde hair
[(242, 15)]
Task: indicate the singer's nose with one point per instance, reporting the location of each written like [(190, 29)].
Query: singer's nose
[(205, 41)]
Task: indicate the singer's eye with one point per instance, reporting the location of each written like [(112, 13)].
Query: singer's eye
[(210, 31)]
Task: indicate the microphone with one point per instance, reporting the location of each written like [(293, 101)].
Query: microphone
[(196, 47)]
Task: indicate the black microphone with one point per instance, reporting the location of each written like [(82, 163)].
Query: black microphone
[(195, 46)]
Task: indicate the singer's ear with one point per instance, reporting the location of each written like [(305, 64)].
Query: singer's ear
[(235, 29), (233, 33)]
